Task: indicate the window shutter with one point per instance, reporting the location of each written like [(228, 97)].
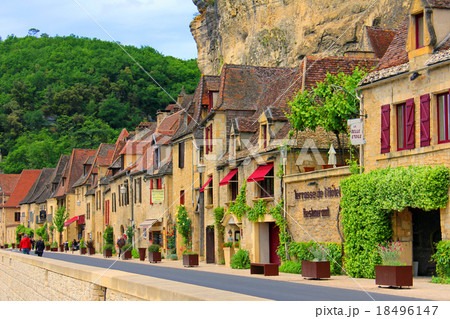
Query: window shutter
[(425, 120), (410, 129), (385, 128), (210, 138), (206, 140), (181, 155), (151, 188)]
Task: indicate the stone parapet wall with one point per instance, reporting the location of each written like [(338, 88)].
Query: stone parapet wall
[(32, 278)]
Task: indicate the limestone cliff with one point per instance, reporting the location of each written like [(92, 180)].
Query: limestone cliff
[(282, 32)]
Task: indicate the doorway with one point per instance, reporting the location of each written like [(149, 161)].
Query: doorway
[(274, 242), (210, 249), (426, 233)]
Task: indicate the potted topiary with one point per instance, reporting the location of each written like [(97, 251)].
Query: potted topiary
[(190, 258), (154, 254), (126, 251), (54, 246), (142, 254), (108, 236), (319, 267), (90, 247), (83, 248), (392, 272)]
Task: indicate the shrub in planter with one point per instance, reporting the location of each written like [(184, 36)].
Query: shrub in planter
[(319, 267), (126, 251), (83, 248), (240, 260), (134, 253), (108, 250), (47, 246), (54, 246), (154, 254), (90, 247), (392, 272)]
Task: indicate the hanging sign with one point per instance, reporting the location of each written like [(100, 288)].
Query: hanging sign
[(157, 196), (356, 131)]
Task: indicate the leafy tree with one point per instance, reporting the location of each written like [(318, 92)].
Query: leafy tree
[(329, 105), (58, 220)]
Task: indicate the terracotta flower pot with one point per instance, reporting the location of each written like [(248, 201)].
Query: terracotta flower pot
[(83, 250), (315, 269), (190, 260), (154, 257), (91, 251), (395, 276), (142, 254), (126, 255), (107, 253)]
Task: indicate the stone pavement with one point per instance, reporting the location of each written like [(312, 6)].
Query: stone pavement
[(422, 287)]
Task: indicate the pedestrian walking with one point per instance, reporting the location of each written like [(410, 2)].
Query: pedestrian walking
[(120, 243), (33, 242), (25, 245), (40, 246)]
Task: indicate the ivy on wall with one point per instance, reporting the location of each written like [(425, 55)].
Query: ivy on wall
[(369, 200), (280, 221), (258, 211), (239, 208)]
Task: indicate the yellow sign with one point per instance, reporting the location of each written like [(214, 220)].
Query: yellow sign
[(157, 196)]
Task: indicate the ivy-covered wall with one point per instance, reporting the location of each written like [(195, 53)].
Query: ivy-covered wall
[(369, 200)]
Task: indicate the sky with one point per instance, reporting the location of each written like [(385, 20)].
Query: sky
[(161, 24)]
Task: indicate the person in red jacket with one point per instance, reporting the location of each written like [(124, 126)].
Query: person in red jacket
[(25, 244)]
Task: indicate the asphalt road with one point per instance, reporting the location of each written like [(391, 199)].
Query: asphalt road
[(258, 287)]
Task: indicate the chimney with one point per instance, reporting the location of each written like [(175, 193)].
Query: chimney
[(181, 96), (160, 116)]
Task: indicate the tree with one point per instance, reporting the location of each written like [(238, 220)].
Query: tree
[(33, 32), (329, 105), (58, 220)]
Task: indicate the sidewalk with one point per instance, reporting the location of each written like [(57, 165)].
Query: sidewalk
[(422, 287)]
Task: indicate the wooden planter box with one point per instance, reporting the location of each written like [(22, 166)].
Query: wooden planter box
[(91, 251), (190, 260), (13, 246), (155, 257), (142, 254), (309, 168), (126, 255), (107, 253), (54, 249), (83, 251), (394, 276), (315, 269), (47, 248), (327, 166), (61, 248), (5, 246)]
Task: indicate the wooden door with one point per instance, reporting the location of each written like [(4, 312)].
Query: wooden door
[(210, 250), (274, 242)]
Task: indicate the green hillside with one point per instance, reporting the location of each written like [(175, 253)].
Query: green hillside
[(69, 92)]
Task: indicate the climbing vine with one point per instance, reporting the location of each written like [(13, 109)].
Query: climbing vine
[(280, 221), (184, 225), (219, 212), (239, 208), (258, 211), (369, 200)]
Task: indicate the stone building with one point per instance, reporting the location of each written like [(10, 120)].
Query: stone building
[(8, 183), (405, 102)]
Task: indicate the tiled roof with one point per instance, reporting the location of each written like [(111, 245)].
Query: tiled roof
[(443, 4), (8, 182), (23, 186), (170, 124), (57, 174), (134, 147), (246, 125), (42, 186), (380, 39)]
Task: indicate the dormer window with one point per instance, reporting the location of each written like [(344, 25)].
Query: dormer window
[(157, 157), (208, 139), (419, 31), (264, 136), (213, 96)]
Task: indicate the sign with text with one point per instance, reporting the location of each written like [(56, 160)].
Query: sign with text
[(307, 213), (327, 192), (157, 196), (356, 131)]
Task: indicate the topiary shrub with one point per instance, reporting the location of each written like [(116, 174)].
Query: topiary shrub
[(442, 259), (240, 260)]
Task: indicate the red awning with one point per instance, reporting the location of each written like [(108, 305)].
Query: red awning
[(70, 221), (260, 173), (81, 220), (228, 177), (206, 184)]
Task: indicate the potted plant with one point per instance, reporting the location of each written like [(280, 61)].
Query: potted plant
[(70, 245), (13, 245), (319, 267), (54, 246), (47, 246), (61, 248), (108, 250), (6, 246), (108, 236), (90, 246), (126, 251), (83, 248), (392, 272), (190, 259), (228, 252), (142, 254), (154, 254)]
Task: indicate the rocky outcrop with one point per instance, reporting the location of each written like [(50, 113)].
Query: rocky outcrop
[(282, 32)]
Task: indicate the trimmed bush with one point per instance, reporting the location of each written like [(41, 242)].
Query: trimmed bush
[(442, 259), (240, 260)]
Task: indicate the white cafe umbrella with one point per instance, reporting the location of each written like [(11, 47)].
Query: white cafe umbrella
[(332, 156)]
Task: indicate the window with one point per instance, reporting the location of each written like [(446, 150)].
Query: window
[(264, 135), (138, 191), (120, 195), (113, 202), (266, 186), (17, 217), (209, 190), (181, 155), (157, 157), (106, 212), (419, 30), (234, 187), (182, 197), (208, 139), (443, 118), (401, 127), (213, 96), (158, 183), (88, 211)]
